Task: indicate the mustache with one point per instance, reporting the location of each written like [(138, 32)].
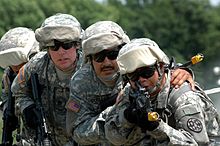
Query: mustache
[(107, 67)]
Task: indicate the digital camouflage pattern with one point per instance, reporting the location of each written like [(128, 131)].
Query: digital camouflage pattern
[(194, 121), (61, 27), (17, 46), (103, 35), (89, 95), (6, 82), (86, 111), (54, 95), (187, 117), (54, 83)]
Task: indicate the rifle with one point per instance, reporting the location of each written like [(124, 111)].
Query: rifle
[(194, 60), (10, 121), (42, 134), (143, 104)]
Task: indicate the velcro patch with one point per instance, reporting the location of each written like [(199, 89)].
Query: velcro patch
[(195, 125), (73, 106)]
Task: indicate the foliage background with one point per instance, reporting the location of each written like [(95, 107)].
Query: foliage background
[(182, 28)]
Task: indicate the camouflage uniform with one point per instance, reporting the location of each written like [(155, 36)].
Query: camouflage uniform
[(187, 117), (89, 95), (54, 90), (17, 46), (6, 82), (91, 98)]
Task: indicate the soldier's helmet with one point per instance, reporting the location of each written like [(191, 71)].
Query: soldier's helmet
[(140, 53), (102, 35), (61, 27), (17, 46)]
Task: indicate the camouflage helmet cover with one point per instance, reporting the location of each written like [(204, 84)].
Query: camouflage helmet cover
[(60, 27), (139, 53), (16, 46), (102, 35)]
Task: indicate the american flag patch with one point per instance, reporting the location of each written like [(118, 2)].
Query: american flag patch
[(73, 106)]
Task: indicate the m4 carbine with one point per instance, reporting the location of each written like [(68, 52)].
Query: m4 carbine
[(42, 134)]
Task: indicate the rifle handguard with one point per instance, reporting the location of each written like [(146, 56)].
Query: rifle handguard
[(153, 116)]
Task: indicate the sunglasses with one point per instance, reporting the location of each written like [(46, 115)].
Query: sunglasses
[(110, 54), (100, 57), (144, 72), (64, 45)]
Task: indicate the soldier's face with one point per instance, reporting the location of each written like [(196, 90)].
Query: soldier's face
[(105, 64), (148, 78), (64, 59), (16, 68)]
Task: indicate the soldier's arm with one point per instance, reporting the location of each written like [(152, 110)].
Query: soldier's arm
[(84, 123), (189, 123), (21, 89), (120, 132)]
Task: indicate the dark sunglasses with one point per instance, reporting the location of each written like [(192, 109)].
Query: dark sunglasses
[(64, 45), (110, 54), (145, 72), (100, 57)]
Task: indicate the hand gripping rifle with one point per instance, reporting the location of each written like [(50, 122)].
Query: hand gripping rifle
[(42, 134), (143, 104)]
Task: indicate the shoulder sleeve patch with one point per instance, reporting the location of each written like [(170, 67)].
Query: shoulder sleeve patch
[(72, 106), (195, 125)]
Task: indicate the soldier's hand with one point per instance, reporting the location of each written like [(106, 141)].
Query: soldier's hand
[(179, 76), (144, 123), (11, 119), (30, 116), (130, 114), (139, 118)]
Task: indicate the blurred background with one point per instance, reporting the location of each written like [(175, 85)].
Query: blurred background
[(182, 28)]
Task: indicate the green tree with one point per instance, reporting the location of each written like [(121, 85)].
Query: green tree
[(19, 13)]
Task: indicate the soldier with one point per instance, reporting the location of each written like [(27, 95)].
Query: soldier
[(60, 36), (150, 111), (96, 85), (17, 46)]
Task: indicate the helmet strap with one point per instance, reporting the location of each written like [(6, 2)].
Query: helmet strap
[(160, 78)]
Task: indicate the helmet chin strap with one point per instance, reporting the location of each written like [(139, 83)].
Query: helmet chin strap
[(159, 82)]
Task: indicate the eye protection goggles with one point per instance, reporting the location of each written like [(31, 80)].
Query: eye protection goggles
[(144, 72), (64, 45)]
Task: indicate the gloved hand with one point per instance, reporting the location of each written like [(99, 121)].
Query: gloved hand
[(30, 116), (130, 114), (11, 119), (140, 118)]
